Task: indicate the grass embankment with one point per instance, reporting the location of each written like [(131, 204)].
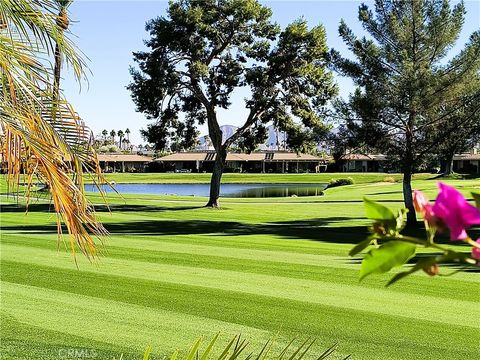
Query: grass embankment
[(229, 178), (174, 270)]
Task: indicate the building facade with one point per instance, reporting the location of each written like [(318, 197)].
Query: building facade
[(123, 162), (258, 162), (467, 163), (363, 162)]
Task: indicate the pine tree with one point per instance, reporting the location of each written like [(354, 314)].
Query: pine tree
[(404, 75), (463, 122)]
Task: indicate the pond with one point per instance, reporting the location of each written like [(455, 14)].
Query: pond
[(227, 190)]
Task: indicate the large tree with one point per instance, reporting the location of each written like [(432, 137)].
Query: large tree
[(205, 49), (404, 74), (463, 122)]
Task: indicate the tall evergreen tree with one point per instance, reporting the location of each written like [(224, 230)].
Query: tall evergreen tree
[(205, 49), (463, 123), (404, 74)]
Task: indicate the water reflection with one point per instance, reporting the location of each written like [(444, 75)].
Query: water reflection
[(227, 190), (280, 190)]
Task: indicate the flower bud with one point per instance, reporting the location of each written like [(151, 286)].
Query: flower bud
[(432, 270), (420, 201), (378, 228)]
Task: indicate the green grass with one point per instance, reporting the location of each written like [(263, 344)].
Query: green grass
[(190, 178), (173, 270)]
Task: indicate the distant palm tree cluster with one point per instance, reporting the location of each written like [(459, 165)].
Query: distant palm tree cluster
[(114, 141)]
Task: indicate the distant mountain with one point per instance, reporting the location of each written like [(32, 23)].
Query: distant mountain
[(275, 140), (205, 143), (228, 130)]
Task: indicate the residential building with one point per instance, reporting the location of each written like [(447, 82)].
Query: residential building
[(123, 162), (256, 162)]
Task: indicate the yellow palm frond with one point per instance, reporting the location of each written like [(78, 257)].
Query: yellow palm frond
[(41, 135)]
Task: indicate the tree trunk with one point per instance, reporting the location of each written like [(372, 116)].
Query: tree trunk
[(62, 23), (56, 73), (407, 176), (216, 137), (216, 178), (449, 163), (408, 198)]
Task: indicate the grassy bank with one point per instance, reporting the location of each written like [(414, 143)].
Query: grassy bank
[(173, 270), (192, 178)]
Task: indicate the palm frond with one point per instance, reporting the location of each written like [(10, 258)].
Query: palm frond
[(41, 135), (35, 21), (237, 347)]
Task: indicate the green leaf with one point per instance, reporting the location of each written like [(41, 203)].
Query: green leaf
[(401, 219), (418, 266), (209, 347), (227, 349), (476, 197), (328, 352), (391, 254), (193, 351), (378, 211), (147, 353), (174, 355), (361, 246)]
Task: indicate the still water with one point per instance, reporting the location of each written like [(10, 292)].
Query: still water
[(227, 190)]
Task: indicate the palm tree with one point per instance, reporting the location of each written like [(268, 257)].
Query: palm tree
[(127, 132), (62, 24), (127, 145), (113, 133), (104, 134), (120, 135), (42, 137)]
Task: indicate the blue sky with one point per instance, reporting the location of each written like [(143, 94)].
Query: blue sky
[(109, 31)]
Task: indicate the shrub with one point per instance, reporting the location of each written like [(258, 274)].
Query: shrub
[(113, 148), (340, 182)]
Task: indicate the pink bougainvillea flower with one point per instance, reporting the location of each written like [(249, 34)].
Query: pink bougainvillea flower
[(476, 251), (423, 206), (455, 211), (420, 201)]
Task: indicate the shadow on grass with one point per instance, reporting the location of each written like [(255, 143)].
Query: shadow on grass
[(449, 266), (388, 193), (13, 208), (321, 229), (455, 176), (312, 229)]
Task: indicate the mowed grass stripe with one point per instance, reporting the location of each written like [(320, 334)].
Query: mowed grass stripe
[(24, 341), (301, 266), (147, 246), (323, 292), (357, 331), (108, 320)]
